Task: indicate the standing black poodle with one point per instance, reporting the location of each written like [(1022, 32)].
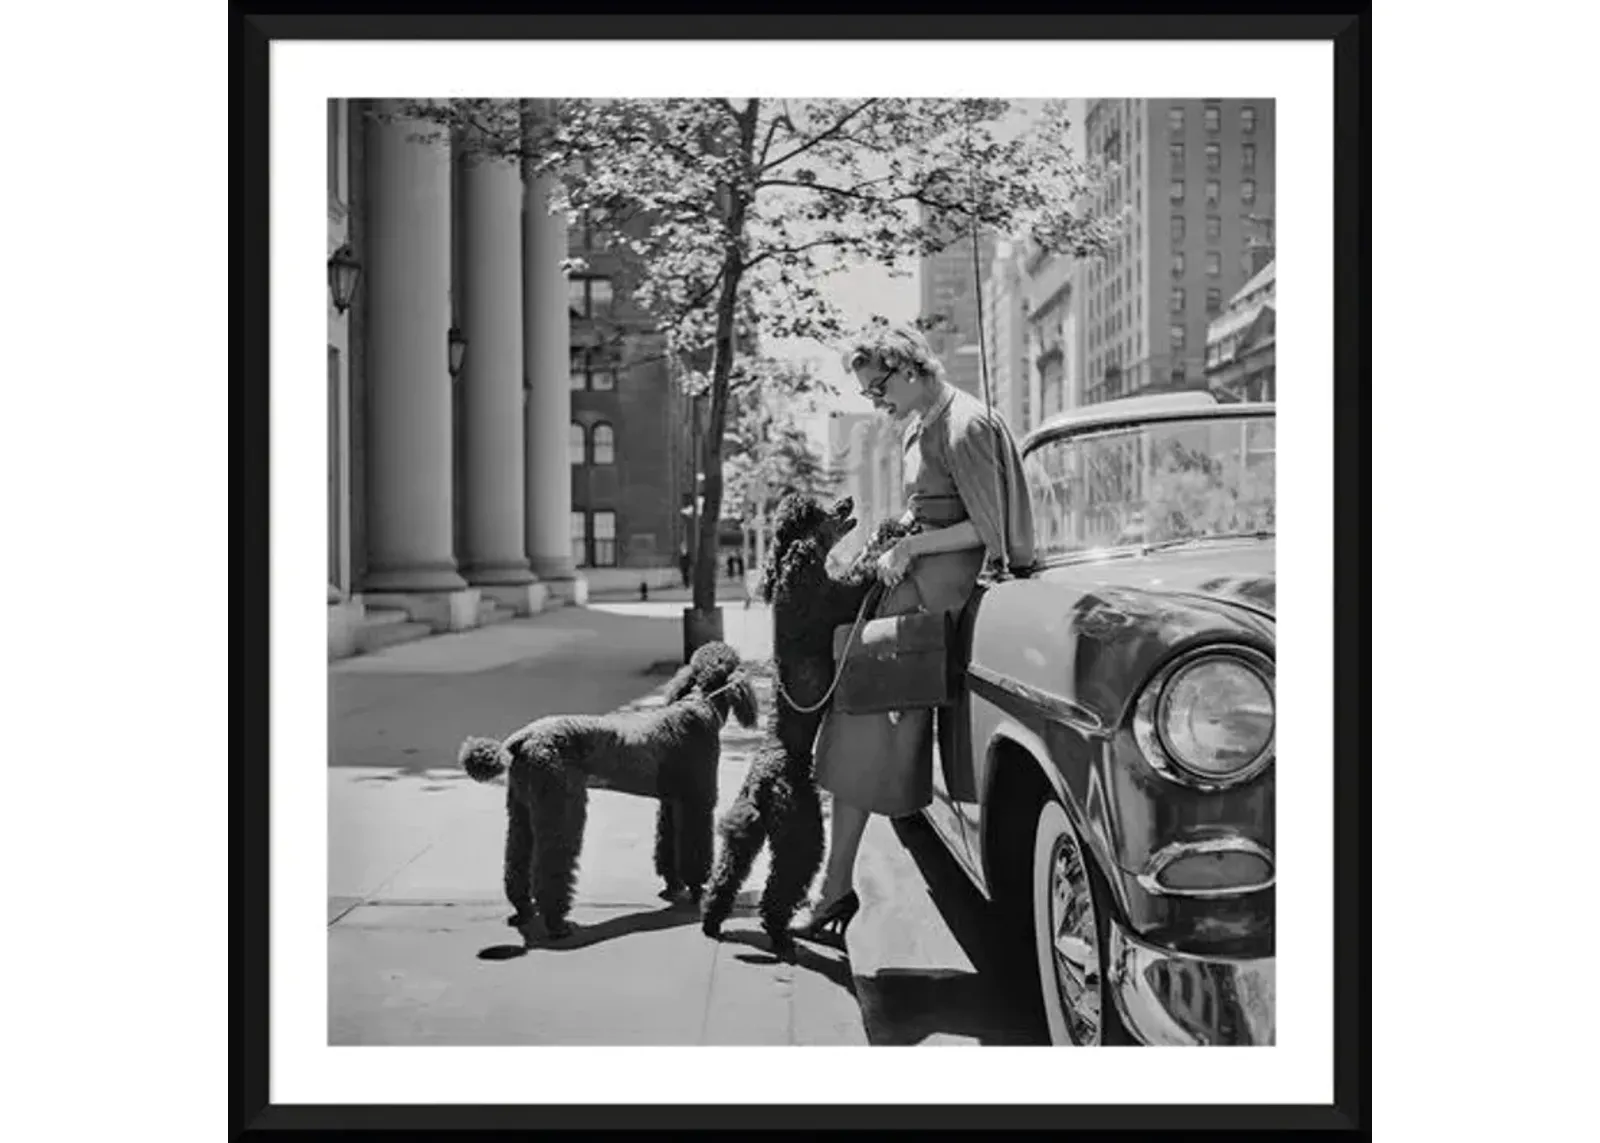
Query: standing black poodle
[(778, 803), (669, 754)]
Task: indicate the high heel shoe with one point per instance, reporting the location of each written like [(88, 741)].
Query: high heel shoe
[(832, 921)]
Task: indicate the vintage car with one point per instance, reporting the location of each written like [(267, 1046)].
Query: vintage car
[(1106, 779)]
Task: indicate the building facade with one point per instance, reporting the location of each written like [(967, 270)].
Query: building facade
[(1241, 355), (1198, 178), (629, 436), (1050, 299), (948, 287), (449, 489), (1006, 333)]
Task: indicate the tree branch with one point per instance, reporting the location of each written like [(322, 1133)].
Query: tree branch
[(822, 136), (789, 251)]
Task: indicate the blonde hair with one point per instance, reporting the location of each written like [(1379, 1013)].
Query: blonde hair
[(891, 347)]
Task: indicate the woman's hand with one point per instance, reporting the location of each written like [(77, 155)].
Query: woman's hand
[(893, 564)]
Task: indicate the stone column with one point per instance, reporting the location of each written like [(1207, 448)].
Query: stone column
[(546, 337), (407, 281), (491, 380)]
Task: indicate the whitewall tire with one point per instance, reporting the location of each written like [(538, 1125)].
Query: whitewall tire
[(1067, 935)]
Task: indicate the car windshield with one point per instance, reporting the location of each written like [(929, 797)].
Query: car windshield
[(1153, 483)]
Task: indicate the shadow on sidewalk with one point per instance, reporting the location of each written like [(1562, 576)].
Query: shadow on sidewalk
[(583, 936), (992, 1004), (835, 969)]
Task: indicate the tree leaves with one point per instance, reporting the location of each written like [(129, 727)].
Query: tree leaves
[(728, 217)]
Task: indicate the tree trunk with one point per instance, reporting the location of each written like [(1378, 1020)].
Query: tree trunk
[(723, 351)]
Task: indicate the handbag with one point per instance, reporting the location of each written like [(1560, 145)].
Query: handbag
[(893, 663)]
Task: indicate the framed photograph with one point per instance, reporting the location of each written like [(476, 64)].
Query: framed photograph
[(614, 384)]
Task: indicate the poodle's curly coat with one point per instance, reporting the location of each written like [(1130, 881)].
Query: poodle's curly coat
[(778, 803), (669, 754)]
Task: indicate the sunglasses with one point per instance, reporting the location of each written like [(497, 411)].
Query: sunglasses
[(876, 388)]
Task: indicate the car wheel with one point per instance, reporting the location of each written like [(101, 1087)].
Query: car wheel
[(1069, 936)]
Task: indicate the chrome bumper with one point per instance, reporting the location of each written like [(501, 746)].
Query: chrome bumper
[(1173, 998)]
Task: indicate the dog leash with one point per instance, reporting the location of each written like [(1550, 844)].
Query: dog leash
[(870, 603)]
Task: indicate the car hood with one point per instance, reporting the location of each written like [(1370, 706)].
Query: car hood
[(1239, 572)]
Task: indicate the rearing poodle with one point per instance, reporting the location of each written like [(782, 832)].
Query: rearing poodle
[(669, 754), (778, 803)]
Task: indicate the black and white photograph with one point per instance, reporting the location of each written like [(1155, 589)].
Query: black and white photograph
[(646, 417), (798, 570)]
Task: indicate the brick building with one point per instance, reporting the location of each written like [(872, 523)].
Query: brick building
[(629, 439)]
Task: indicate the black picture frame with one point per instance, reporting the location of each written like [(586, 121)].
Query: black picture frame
[(251, 1111)]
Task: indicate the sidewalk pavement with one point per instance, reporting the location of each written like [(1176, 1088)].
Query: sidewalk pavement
[(418, 949)]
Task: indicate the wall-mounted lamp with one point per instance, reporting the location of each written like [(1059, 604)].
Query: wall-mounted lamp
[(344, 271), (458, 350)]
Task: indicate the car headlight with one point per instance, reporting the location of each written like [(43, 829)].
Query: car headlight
[(1209, 718)]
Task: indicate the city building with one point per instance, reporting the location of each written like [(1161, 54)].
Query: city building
[(629, 437), (1005, 329), (1241, 358), (1198, 178), (455, 411), (949, 284), (1053, 350)]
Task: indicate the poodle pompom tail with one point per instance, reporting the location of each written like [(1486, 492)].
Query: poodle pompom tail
[(484, 759)]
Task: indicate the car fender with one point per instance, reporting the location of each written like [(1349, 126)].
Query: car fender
[(1088, 825)]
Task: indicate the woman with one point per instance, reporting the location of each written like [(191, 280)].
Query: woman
[(962, 481)]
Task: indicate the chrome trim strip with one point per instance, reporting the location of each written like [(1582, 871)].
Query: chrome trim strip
[(1149, 880), (1147, 735), (1073, 714), (1229, 1001)]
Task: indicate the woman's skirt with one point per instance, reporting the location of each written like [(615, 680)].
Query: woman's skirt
[(883, 763)]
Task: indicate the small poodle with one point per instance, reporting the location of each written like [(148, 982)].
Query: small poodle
[(669, 754), (778, 804)]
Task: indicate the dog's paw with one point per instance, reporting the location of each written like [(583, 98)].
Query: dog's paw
[(519, 920), (671, 892), (711, 927), (558, 930), (783, 947)]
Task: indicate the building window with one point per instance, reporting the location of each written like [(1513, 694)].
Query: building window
[(1175, 154), (1177, 300), (1178, 375), (580, 546), (577, 444), (1175, 333), (1175, 120), (1213, 228), (1213, 192), (589, 297), (1213, 264), (1247, 120), (1213, 301), (1177, 190), (603, 534), (591, 370), (1177, 228), (604, 444), (1213, 119), (1249, 158), (1213, 157), (1177, 264), (1247, 191)]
